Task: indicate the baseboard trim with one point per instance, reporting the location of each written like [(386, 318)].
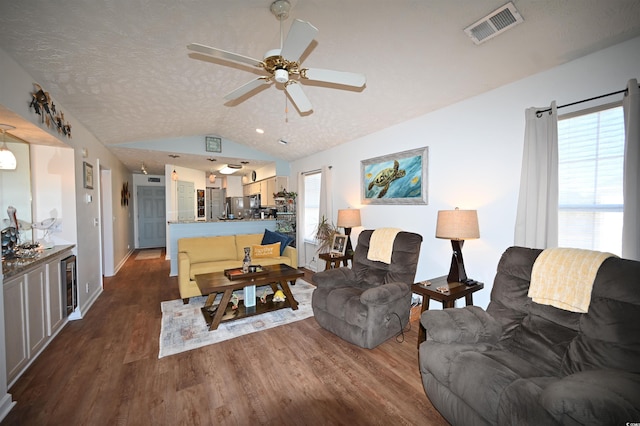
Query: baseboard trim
[(6, 404)]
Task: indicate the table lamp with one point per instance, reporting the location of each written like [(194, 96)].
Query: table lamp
[(457, 225), (347, 219)]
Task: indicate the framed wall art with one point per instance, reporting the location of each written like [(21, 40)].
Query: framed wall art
[(399, 178), (87, 175), (212, 144)]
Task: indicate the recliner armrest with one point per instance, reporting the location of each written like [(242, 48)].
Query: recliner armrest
[(384, 294), (469, 324), (334, 278), (594, 397)]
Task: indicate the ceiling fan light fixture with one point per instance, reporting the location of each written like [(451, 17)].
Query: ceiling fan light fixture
[(281, 75), (229, 169)]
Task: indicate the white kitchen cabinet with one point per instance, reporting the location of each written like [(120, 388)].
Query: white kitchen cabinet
[(34, 311), (15, 323), (56, 308)]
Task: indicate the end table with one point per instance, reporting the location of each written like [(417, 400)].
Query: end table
[(448, 298), (334, 261)]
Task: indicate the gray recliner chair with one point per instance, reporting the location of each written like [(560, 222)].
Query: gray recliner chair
[(523, 363), (371, 301)]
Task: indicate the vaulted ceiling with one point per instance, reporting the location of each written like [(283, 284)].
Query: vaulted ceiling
[(122, 68)]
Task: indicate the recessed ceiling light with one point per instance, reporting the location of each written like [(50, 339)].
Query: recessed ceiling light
[(282, 141), (174, 155), (259, 131)]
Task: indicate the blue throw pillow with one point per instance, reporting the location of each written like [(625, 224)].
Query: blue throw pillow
[(271, 237)]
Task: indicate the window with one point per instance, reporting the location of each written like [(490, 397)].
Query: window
[(591, 158), (311, 205)]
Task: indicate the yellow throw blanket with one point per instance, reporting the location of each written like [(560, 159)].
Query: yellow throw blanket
[(381, 244), (563, 277)]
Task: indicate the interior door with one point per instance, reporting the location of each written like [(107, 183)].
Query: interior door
[(151, 216), (186, 200)]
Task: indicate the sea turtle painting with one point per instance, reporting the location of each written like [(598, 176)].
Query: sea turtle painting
[(385, 177)]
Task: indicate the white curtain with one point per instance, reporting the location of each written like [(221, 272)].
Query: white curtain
[(537, 215), (300, 214), (326, 201), (631, 183)]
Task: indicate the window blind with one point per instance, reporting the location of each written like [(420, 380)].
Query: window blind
[(591, 157)]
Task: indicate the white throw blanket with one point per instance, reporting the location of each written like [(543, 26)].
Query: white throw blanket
[(381, 244), (563, 277)]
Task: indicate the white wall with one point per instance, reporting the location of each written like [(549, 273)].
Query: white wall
[(475, 154)]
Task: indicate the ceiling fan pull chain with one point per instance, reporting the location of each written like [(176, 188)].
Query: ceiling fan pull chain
[(286, 109)]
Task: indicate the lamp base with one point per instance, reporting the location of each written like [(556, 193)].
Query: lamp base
[(349, 249), (457, 274)]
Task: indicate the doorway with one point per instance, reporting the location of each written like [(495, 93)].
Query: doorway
[(151, 216)]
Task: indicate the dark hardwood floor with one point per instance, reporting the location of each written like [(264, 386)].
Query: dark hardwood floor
[(104, 370)]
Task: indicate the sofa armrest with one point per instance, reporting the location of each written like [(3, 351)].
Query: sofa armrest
[(385, 294), (594, 397), (292, 254), (184, 268), (470, 324), (334, 278)]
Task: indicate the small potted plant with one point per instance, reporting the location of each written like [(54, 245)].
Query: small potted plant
[(324, 235)]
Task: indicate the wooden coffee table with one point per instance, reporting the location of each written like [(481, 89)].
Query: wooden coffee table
[(217, 282)]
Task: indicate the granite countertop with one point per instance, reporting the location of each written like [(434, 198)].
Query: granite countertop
[(13, 267)]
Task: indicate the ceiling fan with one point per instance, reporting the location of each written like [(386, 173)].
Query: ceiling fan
[(282, 65)]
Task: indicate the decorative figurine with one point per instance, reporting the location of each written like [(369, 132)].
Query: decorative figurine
[(279, 296), (234, 301), (247, 260)]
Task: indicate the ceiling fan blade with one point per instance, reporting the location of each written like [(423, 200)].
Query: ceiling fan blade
[(331, 76), (246, 88), (300, 36), (223, 54), (298, 97)]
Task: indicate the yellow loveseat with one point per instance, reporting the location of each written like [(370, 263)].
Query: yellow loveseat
[(202, 255)]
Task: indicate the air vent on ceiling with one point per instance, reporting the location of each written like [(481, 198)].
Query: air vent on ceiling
[(497, 22)]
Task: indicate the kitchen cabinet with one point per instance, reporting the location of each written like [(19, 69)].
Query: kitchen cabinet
[(15, 322), (55, 300), (34, 310)]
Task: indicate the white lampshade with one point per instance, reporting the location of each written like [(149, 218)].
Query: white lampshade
[(212, 177), (349, 218), (7, 159), (457, 224), (174, 175)]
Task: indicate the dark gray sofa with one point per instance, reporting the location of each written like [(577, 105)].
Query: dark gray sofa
[(371, 301), (522, 363)]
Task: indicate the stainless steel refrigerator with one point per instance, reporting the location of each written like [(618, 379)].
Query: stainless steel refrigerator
[(235, 206)]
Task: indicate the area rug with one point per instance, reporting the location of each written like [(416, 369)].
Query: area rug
[(184, 328), (148, 254)]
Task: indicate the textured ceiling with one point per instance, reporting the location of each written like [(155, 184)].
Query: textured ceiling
[(121, 67)]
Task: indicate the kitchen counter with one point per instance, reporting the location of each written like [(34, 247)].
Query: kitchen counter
[(16, 266), (194, 228), (220, 220)]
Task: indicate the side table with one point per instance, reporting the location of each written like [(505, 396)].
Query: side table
[(448, 298), (334, 261)]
